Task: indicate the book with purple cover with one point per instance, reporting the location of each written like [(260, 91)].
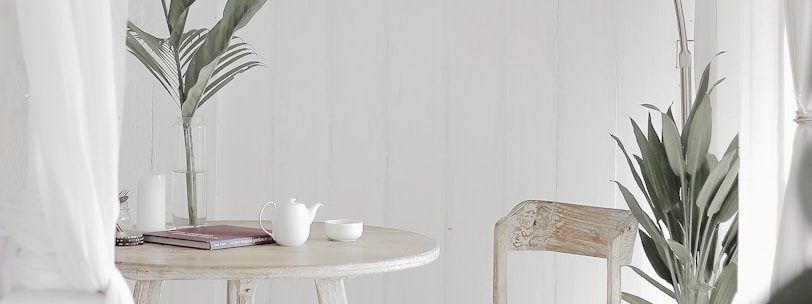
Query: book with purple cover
[(210, 237)]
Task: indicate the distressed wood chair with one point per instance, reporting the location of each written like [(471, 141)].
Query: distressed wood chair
[(560, 227)]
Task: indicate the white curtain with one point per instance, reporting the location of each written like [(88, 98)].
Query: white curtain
[(57, 231), (794, 249)]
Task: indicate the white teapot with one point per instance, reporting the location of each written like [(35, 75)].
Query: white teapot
[(290, 222)]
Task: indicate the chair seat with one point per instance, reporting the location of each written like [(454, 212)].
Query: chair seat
[(53, 296)]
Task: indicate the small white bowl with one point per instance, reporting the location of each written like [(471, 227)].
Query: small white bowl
[(343, 230)]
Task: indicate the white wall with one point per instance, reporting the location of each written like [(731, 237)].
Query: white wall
[(431, 116)]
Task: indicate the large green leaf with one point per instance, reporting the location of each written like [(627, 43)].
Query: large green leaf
[(654, 257), (192, 102), (699, 139), (176, 19), (631, 168), (668, 184), (680, 252), (654, 182), (724, 188), (701, 93), (715, 179), (633, 299), (726, 285), (654, 282), (644, 220), (236, 14), (731, 204), (673, 146), (731, 239)]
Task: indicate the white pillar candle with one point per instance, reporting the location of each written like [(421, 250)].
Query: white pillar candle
[(151, 203)]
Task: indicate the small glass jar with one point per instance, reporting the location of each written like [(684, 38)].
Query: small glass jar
[(124, 221)]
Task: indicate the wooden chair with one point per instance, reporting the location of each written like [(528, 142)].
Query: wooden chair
[(560, 227)]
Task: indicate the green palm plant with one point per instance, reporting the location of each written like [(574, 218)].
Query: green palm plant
[(691, 194), (194, 65)]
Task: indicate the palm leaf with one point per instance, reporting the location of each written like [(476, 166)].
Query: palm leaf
[(145, 57), (232, 55), (223, 80), (236, 14), (192, 102), (189, 46), (176, 19)]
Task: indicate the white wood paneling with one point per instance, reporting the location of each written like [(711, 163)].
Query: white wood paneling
[(416, 140), (587, 67), (475, 45), (531, 86)]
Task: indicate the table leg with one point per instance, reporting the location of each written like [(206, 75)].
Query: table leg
[(147, 292), (241, 291), (331, 291)]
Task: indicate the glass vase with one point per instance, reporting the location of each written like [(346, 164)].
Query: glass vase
[(189, 173)]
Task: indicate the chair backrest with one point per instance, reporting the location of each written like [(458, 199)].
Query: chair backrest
[(561, 227)]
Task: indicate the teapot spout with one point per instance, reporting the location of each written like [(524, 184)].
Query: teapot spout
[(313, 209)]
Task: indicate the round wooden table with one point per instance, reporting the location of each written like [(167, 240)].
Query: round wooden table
[(327, 262)]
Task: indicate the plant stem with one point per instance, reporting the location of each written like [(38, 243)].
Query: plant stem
[(191, 177)]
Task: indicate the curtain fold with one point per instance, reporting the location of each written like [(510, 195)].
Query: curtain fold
[(62, 222), (794, 248)]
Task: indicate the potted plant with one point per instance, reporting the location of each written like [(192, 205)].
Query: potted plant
[(192, 66), (691, 194)]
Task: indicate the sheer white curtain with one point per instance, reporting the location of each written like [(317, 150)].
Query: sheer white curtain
[(794, 249), (57, 231)]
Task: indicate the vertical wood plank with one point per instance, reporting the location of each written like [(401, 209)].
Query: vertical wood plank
[(475, 36), (530, 124), (587, 82), (415, 139), (299, 132), (356, 91)]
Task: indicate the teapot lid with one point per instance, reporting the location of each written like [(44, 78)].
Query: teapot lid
[(293, 201)]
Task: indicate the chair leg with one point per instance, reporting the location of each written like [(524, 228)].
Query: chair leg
[(613, 277), (499, 267)]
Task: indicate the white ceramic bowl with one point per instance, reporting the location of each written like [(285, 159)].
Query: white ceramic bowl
[(343, 230)]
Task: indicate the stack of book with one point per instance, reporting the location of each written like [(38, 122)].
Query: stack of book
[(210, 237)]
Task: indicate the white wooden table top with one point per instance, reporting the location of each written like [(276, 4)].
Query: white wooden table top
[(378, 250)]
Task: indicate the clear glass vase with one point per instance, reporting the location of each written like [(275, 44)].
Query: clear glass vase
[(189, 173)]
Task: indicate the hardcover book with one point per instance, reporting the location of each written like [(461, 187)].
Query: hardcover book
[(210, 237)]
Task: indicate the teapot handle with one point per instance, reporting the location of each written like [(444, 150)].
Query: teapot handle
[(260, 217)]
